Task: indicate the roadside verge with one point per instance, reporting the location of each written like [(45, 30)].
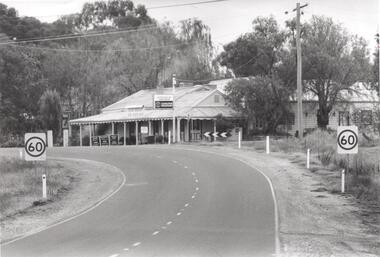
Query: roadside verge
[(95, 182), (312, 221)]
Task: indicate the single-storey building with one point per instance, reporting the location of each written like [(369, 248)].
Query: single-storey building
[(193, 111)]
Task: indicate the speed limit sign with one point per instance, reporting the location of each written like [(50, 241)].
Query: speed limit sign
[(347, 141), (35, 146)]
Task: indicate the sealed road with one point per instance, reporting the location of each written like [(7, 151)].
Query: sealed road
[(174, 203)]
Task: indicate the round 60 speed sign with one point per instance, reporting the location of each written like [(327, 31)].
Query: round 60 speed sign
[(347, 140), (35, 146)]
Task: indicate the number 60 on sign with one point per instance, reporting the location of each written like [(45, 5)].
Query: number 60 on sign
[(35, 147), (347, 140)]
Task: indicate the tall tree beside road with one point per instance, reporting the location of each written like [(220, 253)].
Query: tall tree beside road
[(50, 111), (333, 61), (261, 98), (255, 53), (375, 67)]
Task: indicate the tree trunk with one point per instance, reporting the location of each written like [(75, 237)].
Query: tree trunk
[(323, 117)]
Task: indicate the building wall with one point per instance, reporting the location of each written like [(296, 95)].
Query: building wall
[(215, 99)]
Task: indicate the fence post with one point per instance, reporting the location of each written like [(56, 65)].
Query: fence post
[(267, 145), (308, 159)]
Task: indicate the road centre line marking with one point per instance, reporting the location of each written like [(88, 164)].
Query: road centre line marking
[(137, 244), (193, 197), (175, 162), (126, 249), (179, 213), (155, 233), (169, 222), (233, 156), (163, 227), (196, 181), (197, 188), (185, 167), (114, 255), (193, 174), (186, 205)]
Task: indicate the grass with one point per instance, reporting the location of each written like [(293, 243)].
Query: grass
[(363, 177), (21, 184)]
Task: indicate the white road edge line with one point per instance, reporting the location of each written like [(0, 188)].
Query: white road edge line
[(136, 244), (81, 213), (276, 215)]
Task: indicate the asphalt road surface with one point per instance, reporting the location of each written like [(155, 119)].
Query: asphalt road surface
[(174, 203)]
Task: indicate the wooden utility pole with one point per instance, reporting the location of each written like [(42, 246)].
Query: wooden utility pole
[(299, 72)]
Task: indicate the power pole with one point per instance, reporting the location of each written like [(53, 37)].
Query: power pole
[(174, 82), (299, 72)]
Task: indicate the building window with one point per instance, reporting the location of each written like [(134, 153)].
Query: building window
[(344, 119), (259, 123), (216, 98), (288, 119), (366, 117)]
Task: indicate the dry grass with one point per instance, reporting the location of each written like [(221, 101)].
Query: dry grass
[(364, 169), (21, 184)]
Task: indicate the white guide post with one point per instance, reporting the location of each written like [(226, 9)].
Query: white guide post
[(343, 181), (50, 138), (44, 186), (267, 145), (169, 137), (239, 139), (308, 159)]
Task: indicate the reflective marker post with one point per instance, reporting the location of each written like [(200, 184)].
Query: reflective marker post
[(343, 181), (169, 138), (267, 145), (21, 155), (44, 186), (308, 159), (239, 139)]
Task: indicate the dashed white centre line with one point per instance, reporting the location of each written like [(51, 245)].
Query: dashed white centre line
[(137, 244), (193, 197), (155, 233), (185, 167), (163, 227), (126, 249), (187, 205), (179, 213), (114, 255), (174, 161), (193, 174), (197, 188), (169, 222), (196, 181)]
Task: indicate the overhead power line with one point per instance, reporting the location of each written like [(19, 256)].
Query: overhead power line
[(73, 36), (184, 4)]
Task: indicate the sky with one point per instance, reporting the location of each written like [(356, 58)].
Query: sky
[(229, 19)]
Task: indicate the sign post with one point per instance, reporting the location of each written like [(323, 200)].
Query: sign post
[(35, 146), (347, 143)]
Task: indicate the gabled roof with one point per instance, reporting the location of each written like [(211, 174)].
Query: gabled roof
[(139, 106)]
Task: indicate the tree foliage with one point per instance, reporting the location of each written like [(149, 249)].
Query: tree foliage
[(50, 110), (260, 98), (333, 61)]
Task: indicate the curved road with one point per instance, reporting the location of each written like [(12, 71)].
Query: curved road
[(174, 203)]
